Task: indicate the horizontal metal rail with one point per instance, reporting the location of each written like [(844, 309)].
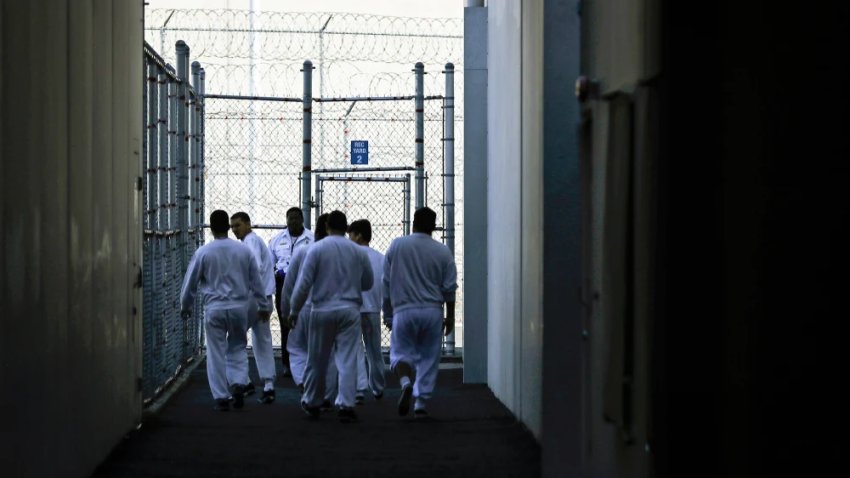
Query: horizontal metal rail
[(254, 98), (366, 179), (365, 170)]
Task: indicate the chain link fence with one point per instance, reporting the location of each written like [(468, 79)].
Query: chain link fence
[(254, 125), (172, 189)]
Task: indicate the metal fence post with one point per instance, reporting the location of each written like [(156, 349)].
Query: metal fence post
[(201, 91), (419, 69), (202, 164), (307, 146), (195, 180), (406, 205), (449, 173), (182, 53), (318, 196)]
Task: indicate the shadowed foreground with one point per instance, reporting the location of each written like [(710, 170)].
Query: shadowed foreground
[(470, 434)]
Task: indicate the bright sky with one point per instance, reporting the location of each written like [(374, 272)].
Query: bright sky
[(397, 8)]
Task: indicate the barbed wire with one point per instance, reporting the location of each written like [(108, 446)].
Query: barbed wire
[(287, 36)]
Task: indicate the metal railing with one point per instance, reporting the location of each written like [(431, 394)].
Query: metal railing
[(173, 192)]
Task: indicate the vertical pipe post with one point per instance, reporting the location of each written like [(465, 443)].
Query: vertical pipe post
[(307, 147), (419, 69), (171, 315), (183, 147), (406, 205), (201, 198), (318, 196), (182, 54), (162, 220), (152, 149), (449, 173), (172, 150), (195, 179)]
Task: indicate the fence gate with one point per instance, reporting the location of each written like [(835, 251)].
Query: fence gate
[(384, 200)]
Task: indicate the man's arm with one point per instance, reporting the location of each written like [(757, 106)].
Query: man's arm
[(257, 288), (303, 283), (385, 279), (190, 283), (448, 287), (289, 282), (449, 321), (367, 279)]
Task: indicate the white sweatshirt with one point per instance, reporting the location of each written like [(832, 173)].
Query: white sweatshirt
[(337, 271), (263, 258), (373, 298), (295, 264), (419, 272), (226, 275)]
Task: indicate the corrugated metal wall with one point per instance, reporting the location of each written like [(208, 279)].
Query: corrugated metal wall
[(71, 313)]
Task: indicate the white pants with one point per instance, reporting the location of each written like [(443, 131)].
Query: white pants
[(362, 371), (296, 345), (332, 334), (227, 359), (371, 327), (416, 339), (262, 342)]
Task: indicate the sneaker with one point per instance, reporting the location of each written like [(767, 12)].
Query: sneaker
[(346, 415), (404, 400), (222, 405), (238, 396), (268, 397), (326, 405), (420, 413), (249, 389), (312, 412), (359, 399)]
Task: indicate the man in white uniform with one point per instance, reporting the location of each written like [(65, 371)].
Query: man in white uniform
[(360, 232), (297, 343), (230, 285), (337, 272), (261, 332), (419, 276), (283, 247)]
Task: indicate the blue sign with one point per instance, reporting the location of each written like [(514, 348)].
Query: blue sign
[(359, 152)]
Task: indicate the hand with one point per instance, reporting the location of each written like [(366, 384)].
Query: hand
[(449, 325), (263, 316), (291, 319), (388, 322), (185, 314)]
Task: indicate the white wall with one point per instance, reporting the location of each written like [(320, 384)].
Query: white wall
[(515, 212), (504, 199)]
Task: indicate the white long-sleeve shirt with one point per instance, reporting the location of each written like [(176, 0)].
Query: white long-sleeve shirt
[(374, 297), (418, 272), (225, 274), (263, 258), (337, 271), (291, 277), (283, 247)]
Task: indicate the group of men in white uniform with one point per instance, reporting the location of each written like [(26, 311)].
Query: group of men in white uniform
[(329, 292)]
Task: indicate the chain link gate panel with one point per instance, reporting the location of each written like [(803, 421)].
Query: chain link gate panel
[(384, 200)]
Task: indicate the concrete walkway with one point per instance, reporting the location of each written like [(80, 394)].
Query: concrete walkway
[(470, 434)]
